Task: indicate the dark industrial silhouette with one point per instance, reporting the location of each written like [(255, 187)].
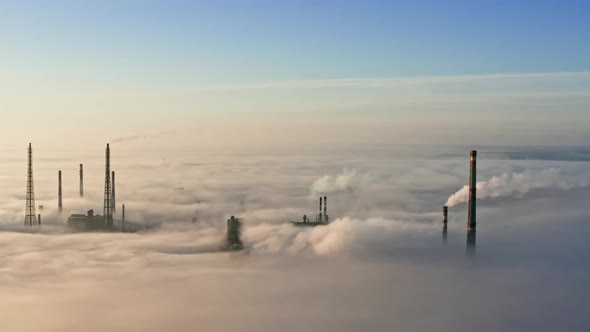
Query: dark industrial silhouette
[(59, 194), (471, 223), (234, 230), (81, 181), (322, 217), (107, 207), (445, 221), (113, 201)]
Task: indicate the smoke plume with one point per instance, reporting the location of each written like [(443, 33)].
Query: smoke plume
[(348, 180), (518, 185)]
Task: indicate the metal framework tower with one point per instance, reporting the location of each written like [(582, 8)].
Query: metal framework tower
[(81, 180), (113, 201), (30, 215), (59, 193), (108, 207)]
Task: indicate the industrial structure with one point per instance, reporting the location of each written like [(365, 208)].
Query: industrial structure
[(86, 222), (321, 218), (113, 201), (108, 207), (81, 180), (234, 230), (30, 215), (59, 194), (471, 223), (123, 219), (91, 222), (445, 221)]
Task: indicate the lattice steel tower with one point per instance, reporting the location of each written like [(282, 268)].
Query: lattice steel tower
[(30, 215), (108, 207)]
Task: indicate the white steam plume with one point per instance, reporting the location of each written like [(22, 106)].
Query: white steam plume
[(518, 184), (348, 180)]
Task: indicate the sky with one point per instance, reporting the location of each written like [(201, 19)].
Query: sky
[(82, 73)]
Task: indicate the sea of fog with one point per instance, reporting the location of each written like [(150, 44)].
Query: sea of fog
[(383, 263)]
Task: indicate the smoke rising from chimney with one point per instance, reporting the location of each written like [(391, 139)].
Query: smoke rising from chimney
[(518, 185), (347, 180)]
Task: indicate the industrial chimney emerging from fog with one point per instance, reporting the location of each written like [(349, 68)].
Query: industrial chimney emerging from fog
[(59, 193), (445, 215), (113, 201), (472, 195), (81, 180)]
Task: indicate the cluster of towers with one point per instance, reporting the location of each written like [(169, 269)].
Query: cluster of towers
[(109, 207), (471, 220)]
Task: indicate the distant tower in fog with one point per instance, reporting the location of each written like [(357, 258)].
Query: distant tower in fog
[(81, 180), (113, 201), (59, 193), (30, 215)]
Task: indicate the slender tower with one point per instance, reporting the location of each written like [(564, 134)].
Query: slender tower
[(81, 180), (321, 217), (123, 219), (444, 221), (471, 235), (113, 201), (108, 208), (59, 193), (30, 215), (472, 195), (326, 209)]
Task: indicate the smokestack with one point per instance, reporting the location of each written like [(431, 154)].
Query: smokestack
[(326, 209), (444, 221), (113, 194), (471, 242), (81, 180), (321, 216), (472, 195), (123, 219), (59, 199)]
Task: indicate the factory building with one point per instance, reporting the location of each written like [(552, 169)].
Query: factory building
[(321, 218)]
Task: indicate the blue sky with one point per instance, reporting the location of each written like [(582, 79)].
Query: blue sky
[(61, 51), (228, 41)]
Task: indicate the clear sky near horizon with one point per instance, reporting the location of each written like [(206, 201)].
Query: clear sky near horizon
[(287, 72)]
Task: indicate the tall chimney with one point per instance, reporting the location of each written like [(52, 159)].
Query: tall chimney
[(113, 194), (59, 194), (445, 214), (81, 180), (472, 195), (321, 216), (326, 208), (123, 219)]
